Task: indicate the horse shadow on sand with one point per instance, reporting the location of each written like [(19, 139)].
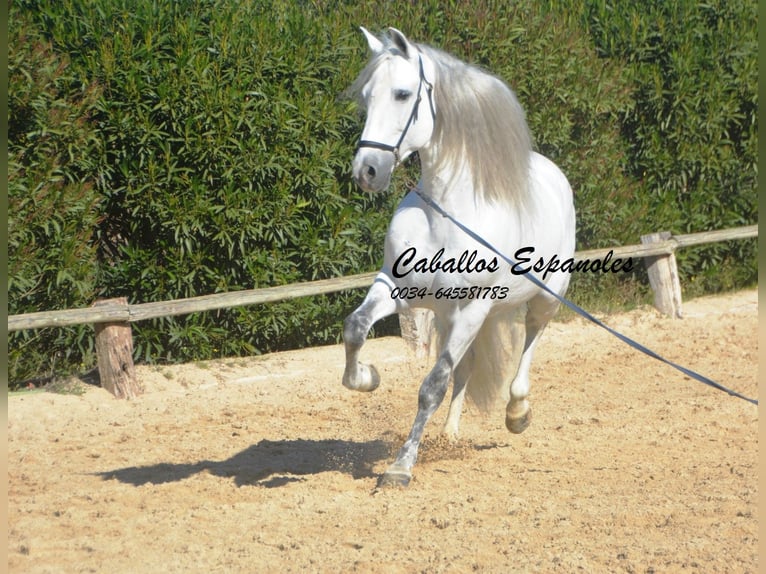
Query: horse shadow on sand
[(268, 463)]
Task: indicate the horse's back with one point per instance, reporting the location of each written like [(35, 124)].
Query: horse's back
[(553, 214), (548, 181)]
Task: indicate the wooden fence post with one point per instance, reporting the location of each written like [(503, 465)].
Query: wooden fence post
[(417, 326), (114, 350), (663, 277)]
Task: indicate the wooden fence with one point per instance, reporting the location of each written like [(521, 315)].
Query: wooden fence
[(112, 317)]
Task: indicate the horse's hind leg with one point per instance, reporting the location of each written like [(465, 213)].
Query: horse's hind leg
[(518, 413), (460, 382), (378, 304)]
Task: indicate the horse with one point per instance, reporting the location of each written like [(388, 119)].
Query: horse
[(477, 166)]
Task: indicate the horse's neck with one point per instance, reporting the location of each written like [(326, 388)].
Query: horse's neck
[(449, 186), (452, 188)]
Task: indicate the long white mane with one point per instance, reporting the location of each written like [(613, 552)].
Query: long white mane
[(479, 124)]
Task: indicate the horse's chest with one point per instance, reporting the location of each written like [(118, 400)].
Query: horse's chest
[(426, 252)]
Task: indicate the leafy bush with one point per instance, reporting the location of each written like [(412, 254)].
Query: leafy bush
[(691, 131), (52, 199), (177, 148)]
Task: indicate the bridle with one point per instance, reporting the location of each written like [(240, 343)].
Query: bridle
[(412, 119)]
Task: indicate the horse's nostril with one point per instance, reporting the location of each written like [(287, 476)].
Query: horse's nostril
[(371, 171)]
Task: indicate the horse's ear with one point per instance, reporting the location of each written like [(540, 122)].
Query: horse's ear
[(400, 41), (375, 45)]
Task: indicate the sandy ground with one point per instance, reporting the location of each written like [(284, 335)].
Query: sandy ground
[(269, 465)]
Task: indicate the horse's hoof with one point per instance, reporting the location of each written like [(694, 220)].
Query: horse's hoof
[(451, 435), (518, 425), (396, 479), (367, 379)]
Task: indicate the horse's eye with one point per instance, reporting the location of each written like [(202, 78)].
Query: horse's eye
[(402, 95)]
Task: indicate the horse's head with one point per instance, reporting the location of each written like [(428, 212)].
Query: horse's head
[(400, 109)]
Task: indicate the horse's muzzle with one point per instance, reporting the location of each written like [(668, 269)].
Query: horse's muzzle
[(372, 169)]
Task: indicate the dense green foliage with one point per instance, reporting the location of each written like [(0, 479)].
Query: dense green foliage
[(166, 149), (692, 133)]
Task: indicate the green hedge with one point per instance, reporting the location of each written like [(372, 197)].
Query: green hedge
[(693, 129), (176, 148)]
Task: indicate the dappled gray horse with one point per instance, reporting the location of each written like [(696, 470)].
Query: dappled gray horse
[(478, 167)]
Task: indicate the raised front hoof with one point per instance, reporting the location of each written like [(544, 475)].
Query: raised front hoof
[(395, 479), (366, 379), (518, 425)]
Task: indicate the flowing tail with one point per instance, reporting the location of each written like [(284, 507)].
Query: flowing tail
[(494, 359)]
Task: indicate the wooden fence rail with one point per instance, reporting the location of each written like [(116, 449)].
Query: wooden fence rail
[(141, 311), (124, 312), (658, 249)]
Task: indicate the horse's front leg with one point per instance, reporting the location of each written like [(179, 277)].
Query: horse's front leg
[(464, 327), (377, 305)]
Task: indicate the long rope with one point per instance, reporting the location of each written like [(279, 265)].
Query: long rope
[(579, 310)]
